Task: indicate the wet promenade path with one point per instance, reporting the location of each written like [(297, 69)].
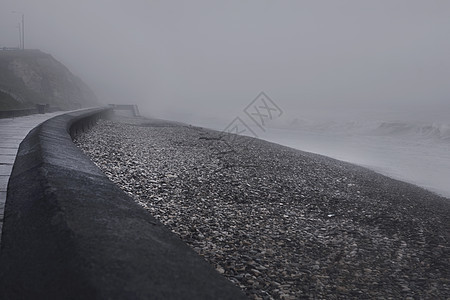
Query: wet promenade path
[(12, 132)]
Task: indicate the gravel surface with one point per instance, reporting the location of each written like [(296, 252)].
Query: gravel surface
[(278, 222)]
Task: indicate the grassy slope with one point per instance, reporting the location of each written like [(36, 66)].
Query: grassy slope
[(8, 103), (53, 74), (11, 83)]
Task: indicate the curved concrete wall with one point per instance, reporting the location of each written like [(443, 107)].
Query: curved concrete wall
[(70, 233)]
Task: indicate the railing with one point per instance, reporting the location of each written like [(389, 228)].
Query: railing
[(15, 113), (39, 108)]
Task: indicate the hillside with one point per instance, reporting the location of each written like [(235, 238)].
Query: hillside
[(31, 76)]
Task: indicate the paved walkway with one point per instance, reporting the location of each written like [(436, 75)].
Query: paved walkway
[(12, 132)]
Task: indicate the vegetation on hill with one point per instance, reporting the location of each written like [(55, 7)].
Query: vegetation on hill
[(7, 102), (30, 77)]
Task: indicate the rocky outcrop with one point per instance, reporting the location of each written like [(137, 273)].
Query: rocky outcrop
[(36, 77)]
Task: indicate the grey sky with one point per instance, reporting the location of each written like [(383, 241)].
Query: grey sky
[(211, 58)]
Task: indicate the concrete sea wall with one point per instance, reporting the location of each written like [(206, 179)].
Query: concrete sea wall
[(70, 233)]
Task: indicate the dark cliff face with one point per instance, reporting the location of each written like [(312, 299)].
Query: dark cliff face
[(31, 76)]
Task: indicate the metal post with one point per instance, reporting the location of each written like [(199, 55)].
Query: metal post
[(19, 26), (22, 41), (23, 31)]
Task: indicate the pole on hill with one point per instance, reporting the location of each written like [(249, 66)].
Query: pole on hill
[(22, 42), (19, 26), (23, 31)]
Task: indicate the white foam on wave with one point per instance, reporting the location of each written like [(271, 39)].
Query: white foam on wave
[(415, 153)]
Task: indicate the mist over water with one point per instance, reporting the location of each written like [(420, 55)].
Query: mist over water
[(326, 64), (414, 150), (419, 160)]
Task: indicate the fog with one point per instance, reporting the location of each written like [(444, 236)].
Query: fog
[(206, 60), (337, 70)]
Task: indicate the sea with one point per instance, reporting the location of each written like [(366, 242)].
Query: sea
[(414, 152)]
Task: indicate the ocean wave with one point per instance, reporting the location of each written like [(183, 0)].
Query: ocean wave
[(430, 131), (413, 130)]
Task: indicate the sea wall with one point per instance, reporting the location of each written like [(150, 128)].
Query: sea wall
[(70, 233)]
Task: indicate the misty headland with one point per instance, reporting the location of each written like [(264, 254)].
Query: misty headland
[(30, 77)]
